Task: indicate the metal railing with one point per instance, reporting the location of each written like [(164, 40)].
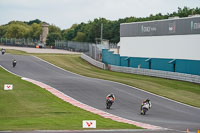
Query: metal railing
[(72, 46), (92, 50), (157, 73), (18, 42)]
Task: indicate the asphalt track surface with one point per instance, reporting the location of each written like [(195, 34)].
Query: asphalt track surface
[(164, 113)]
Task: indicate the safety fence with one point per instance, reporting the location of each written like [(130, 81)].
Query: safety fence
[(147, 72), (92, 50), (19, 42), (72, 46), (95, 51)]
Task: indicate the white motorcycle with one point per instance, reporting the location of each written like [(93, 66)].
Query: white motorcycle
[(2, 51), (14, 63), (145, 108)]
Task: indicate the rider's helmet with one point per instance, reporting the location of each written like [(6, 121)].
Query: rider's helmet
[(111, 95), (147, 100)]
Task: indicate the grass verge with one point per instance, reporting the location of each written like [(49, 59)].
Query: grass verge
[(29, 107)]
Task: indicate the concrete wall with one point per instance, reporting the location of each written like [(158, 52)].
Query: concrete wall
[(124, 61), (92, 61), (157, 73), (162, 64), (137, 62), (188, 66), (110, 58)]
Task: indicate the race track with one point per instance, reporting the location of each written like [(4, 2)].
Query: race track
[(164, 113)]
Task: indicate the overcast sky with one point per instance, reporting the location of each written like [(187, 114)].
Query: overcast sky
[(64, 13)]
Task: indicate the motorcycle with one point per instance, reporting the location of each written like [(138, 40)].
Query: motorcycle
[(14, 63), (144, 108), (2, 52), (109, 102)]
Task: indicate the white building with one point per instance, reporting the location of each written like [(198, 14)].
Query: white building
[(177, 38)]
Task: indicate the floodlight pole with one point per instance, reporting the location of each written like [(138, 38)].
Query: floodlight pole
[(101, 32)]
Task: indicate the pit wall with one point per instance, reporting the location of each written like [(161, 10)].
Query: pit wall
[(161, 64)]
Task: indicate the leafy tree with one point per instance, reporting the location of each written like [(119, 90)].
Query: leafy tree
[(54, 34), (80, 37), (36, 31), (17, 31), (54, 29), (69, 34), (183, 12), (37, 21), (52, 37), (3, 30)]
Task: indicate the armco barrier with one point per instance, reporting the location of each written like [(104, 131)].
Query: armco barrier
[(147, 72), (157, 73), (92, 61)]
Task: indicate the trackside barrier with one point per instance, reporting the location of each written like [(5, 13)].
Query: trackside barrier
[(147, 72), (157, 73), (92, 61)]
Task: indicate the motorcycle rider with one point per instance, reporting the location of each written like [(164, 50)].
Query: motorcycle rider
[(110, 96), (147, 101), (14, 63), (3, 51)]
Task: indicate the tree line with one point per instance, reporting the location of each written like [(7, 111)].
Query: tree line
[(83, 32)]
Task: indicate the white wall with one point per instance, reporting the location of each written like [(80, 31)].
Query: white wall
[(174, 46)]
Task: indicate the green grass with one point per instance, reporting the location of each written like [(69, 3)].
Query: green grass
[(29, 107), (19, 52)]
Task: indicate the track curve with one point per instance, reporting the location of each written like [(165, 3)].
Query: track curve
[(164, 113)]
